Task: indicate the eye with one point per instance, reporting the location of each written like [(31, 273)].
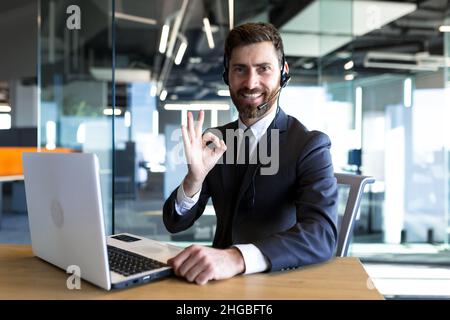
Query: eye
[(264, 68), (238, 69)]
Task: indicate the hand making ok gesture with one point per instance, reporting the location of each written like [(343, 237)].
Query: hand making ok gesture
[(200, 157)]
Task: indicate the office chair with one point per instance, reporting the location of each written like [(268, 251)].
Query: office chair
[(356, 184)]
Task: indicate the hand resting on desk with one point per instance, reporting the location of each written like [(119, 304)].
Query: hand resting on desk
[(201, 264)]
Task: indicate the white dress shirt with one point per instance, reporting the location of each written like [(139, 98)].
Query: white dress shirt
[(254, 260)]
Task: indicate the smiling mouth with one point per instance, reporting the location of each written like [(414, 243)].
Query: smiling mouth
[(251, 96)]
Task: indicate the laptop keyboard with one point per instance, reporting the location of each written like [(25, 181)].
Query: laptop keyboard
[(128, 263)]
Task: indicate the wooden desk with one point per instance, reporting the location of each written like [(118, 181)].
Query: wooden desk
[(23, 276)]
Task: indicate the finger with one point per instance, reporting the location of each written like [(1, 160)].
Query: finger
[(177, 261), (190, 124), (223, 146), (204, 276), (209, 136), (218, 152), (188, 264), (199, 124), (186, 140), (196, 270)]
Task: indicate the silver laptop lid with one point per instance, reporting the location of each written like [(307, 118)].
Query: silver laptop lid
[(65, 212)]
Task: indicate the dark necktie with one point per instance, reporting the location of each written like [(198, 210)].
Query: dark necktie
[(243, 157)]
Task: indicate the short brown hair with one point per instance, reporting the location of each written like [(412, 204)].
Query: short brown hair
[(250, 33)]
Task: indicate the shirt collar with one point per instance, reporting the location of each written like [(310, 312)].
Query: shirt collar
[(260, 127)]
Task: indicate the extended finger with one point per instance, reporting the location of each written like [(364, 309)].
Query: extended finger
[(199, 124), (190, 124), (186, 140)]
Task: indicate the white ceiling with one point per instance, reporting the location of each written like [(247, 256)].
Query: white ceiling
[(326, 25)]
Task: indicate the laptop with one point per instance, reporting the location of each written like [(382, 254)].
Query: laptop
[(67, 227)]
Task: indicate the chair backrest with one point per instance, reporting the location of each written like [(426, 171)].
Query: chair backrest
[(355, 184)]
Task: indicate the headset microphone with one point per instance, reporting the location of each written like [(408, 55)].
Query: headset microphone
[(264, 105)]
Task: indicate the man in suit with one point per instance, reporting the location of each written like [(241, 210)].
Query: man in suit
[(265, 222)]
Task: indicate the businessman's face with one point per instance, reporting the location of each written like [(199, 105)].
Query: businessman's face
[(254, 77)]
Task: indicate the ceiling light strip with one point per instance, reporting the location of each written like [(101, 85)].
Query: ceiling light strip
[(444, 28), (176, 28), (180, 53), (231, 13), (208, 31), (129, 17), (164, 38), (5, 108)]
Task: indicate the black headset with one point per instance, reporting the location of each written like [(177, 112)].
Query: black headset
[(284, 79)]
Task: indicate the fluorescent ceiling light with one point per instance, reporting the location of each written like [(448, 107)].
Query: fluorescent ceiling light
[(153, 90), (214, 119), (180, 53), (407, 92), (163, 95), (196, 106), (5, 121), (121, 75), (5, 108), (358, 115), (155, 122), (129, 17), (349, 77), (444, 28), (308, 65), (81, 133), (208, 32), (195, 60), (127, 119), (164, 38), (419, 61), (349, 65), (50, 134), (176, 28), (223, 92), (109, 112), (231, 13)]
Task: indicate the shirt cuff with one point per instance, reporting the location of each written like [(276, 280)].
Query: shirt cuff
[(184, 203), (254, 260)]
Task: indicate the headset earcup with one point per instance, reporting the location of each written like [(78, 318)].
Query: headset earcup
[(225, 70), (284, 80), (285, 77), (225, 77)]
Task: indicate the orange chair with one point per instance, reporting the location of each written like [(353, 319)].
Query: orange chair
[(11, 158)]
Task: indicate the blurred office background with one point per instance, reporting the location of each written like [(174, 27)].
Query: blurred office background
[(117, 78)]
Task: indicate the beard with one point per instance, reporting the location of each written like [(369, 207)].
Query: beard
[(250, 110)]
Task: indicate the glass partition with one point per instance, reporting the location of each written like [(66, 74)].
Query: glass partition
[(392, 98), (165, 67), (75, 83)]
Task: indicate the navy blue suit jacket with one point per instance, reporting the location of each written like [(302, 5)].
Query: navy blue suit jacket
[(290, 216)]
